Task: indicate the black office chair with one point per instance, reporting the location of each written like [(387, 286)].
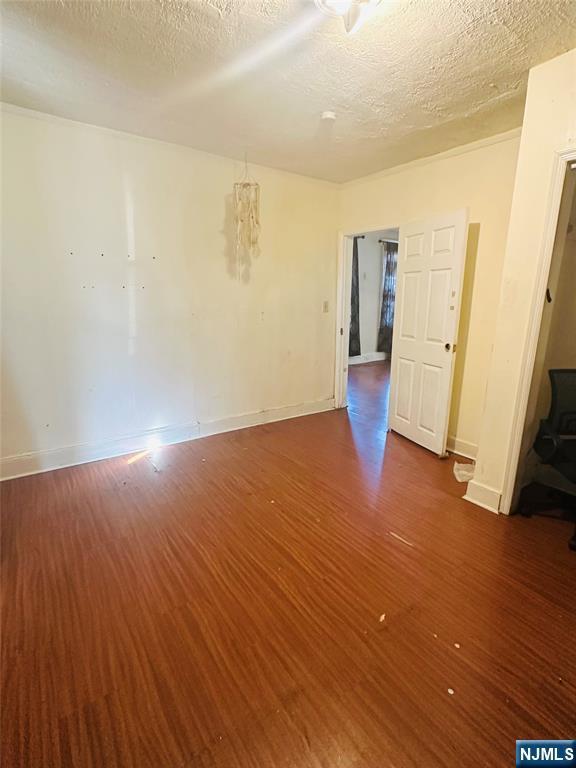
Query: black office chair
[(555, 442)]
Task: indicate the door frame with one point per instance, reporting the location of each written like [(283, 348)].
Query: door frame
[(561, 161), (343, 288)]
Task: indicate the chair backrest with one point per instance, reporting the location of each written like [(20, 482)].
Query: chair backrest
[(562, 416)]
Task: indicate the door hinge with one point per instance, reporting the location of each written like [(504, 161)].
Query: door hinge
[(341, 331)]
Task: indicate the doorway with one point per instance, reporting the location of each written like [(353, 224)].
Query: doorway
[(427, 298), (547, 467), (371, 306)]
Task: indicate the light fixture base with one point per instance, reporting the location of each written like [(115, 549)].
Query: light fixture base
[(353, 12)]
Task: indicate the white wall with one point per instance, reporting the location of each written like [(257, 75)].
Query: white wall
[(121, 315), (549, 127), (481, 177), (370, 289)]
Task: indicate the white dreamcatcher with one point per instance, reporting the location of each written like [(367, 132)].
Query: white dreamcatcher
[(247, 216)]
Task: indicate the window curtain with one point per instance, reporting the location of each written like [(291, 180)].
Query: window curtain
[(390, 260), (354, 338)]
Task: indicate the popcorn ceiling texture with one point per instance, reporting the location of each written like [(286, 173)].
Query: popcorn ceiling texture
[(229, 76)]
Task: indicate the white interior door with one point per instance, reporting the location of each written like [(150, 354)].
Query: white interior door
[(430, 271)]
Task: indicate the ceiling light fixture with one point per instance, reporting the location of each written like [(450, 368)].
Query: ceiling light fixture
[(354, 13)]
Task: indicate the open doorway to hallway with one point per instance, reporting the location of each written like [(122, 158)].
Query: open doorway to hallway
[(372, 299), (425, 298)]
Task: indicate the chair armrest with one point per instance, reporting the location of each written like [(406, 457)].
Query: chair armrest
[(548, 437)]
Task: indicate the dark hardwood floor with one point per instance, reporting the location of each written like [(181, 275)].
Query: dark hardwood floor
[(307, 594)]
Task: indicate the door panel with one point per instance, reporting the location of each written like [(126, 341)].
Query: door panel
[(438, 293), (409, 307), (430, 271), (403, 408), (414, 245), (429, 396)]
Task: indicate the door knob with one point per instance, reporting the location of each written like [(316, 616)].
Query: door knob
[(447, 346)]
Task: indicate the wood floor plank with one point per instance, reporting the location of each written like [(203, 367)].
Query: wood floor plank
[(311, 593)]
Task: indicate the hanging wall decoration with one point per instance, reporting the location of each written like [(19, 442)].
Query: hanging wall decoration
[(247, 215)]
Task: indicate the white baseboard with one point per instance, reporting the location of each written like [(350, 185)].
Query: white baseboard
[(264, 417), (461, 447), (369, 357), (483, 496), (71, 455)]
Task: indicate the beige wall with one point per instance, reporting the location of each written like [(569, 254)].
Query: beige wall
[(549, 126), (480, 177), (122, 318), (157, 336)]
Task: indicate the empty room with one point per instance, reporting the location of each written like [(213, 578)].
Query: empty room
[(288, 383)]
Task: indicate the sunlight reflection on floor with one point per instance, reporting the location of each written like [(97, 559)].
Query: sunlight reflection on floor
[(368, 393)]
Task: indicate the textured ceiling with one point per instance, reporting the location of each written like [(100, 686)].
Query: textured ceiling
[(236, 76)]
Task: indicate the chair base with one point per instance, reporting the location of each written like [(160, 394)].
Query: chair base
[(537, 499)]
